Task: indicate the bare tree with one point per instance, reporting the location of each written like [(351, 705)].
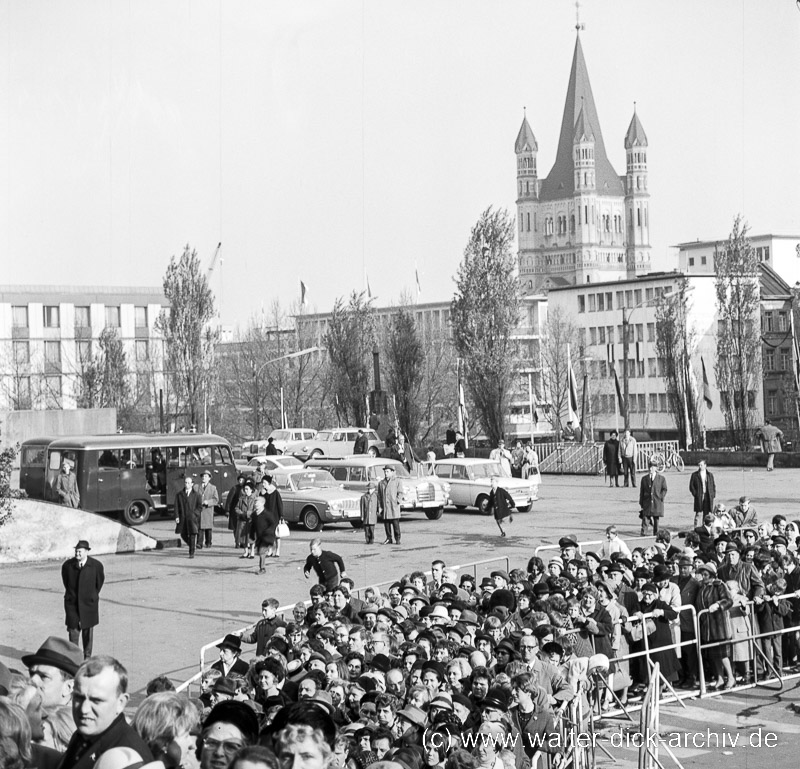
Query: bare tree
[(675, 341), (738, 360), (350, 339), (188, 333), (405, 363), (560, 333), (484, 314)]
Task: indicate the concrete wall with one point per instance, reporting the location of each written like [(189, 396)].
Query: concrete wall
[(19, 426)]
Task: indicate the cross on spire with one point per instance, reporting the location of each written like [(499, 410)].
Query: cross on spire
[(578, 24)]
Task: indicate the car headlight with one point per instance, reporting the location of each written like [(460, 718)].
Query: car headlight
[(335, 509)]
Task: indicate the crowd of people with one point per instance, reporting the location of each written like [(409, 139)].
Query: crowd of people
[(435, 671)]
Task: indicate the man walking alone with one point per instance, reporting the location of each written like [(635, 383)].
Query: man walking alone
[(83, 578)]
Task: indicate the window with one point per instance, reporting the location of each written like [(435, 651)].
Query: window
[(637, 296), (581, 304), (652, 369), (640, 368), (629, 298), (766, 253), (140, 314), (592, 302), (703, 260), (142, 350), (651, 332), (662, 402), (648, 294), (786, 358), (767, 321), (639, 332), (769, 359), (52, 354), (772, 401), (782, 321), (51, 316), (22, 353), (83, 317), (653, 402), (609, 301), (592, 335), (620, 335), (83, 350), (52, 392), (19, 316), (601, 335), (603, 368), (691, 261), (112, 317), (601, 302), (108, 460)]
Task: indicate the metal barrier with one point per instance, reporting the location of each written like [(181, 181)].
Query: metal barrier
[(283, 610), (581, 545), (646, 449)]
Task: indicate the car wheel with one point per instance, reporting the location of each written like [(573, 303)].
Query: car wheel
[(435, 514), (136, 512), (314, 454), (356, 524), (311, 520), (482, 503), (373, 451)]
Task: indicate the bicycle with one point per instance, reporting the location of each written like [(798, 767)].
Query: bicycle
[(663, 462)]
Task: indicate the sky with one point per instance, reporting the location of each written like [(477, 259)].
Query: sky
[(340, 141)]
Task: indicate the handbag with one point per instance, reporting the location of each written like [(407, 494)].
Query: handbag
[(637, 631), (282, 529)]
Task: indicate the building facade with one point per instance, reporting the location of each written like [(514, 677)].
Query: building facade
[(49, 333), (583, 222)]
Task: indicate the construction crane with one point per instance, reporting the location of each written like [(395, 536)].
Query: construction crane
[(216, 259)]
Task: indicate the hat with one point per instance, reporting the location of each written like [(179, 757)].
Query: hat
[(541, 588), (381, 662), (731, 547), (495, 698), (508, 647), (686, 560), (231, 641), (442, 700), (206, 472), (367, 683), (568, 541), (779, 539), (82, 545), (236, 713), (487, 582), (641, 573), (500, 573), (501, 612), (389, 467), (419, 597), (469, 618), (592, 554), (436, 667), (553, 647), (649, 587), (368, 609), (323, 700), (439, 611), (58, 653), (598, 662), (458, 628), (710, 567), (463, 700), (425, 611), (616, 568), (400, 611), (224, 685), (413, 714), (661, 572), (556, 561)]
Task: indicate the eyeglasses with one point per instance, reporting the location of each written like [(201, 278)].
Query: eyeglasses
[(228, 746)]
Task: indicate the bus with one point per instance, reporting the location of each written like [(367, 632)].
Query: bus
[(132, 474)]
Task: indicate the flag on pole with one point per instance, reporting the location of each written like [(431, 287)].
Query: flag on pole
[(706, 386), (796, 351), (572, 400), (302, 294), (620, 402), (463, 416), (369, 290), (416, 276)]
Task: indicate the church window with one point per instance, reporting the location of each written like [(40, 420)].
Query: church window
[(572, 223), (529, 221), (527, 188), (638, 217)]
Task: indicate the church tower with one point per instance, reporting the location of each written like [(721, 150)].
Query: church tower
[(527, 183), (578, 231), (637, 198)]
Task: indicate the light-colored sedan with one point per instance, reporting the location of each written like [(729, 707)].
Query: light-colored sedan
[(273, 462), (314, 497), (336, 442), (470, 483)]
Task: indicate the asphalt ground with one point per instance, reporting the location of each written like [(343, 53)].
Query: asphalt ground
[(158, 608)]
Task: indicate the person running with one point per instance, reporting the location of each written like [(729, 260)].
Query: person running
[(501, 505)]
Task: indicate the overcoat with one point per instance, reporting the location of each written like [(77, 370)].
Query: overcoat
[(770, 437), (389, 492), (611, 457), (696, 490), (82, 592), (501, 503), (187, 511), (210, 499), (369, 508), (652, 505), (67, 490)]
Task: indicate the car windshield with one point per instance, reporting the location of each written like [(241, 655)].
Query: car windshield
[(287, 461), (279, 435), (487, 470), (313, 479), (324, 436)]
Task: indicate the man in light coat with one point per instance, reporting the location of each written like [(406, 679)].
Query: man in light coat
[(627, 453), (210, 499), (770, 437), (389, 495)]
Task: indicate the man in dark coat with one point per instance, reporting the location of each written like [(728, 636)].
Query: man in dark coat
[(707, 534), (703, 490), (83, 579), (362, 444), (611, 458), (652, 492), (500, 504), (98, 709), (272, 449), (188, 506)]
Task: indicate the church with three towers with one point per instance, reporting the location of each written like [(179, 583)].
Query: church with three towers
[(583, 222)]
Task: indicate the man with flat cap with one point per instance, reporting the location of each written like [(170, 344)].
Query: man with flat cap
[(83, 578), (389, 494), (52, 670), (209, 497)]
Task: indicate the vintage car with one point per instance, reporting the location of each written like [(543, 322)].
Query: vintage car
[(273, 462), (423, 492), (470, 483), (336, 442), (279, 439), (314, 497)]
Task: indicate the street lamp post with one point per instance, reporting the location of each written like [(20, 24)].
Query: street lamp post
[(257, 373)]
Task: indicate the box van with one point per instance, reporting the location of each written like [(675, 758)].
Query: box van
[(133, 474)]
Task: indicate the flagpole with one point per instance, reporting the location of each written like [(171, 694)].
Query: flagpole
[(796, 351)]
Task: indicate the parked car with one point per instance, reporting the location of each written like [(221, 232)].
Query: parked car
[(470, 483), (336, 442), (273, 462), (424, 492), (279, 438), (314, 497)]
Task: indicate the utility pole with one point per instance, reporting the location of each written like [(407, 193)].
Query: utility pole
[(625, 384)]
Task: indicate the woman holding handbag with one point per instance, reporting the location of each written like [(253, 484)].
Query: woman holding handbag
[(273, 508)]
